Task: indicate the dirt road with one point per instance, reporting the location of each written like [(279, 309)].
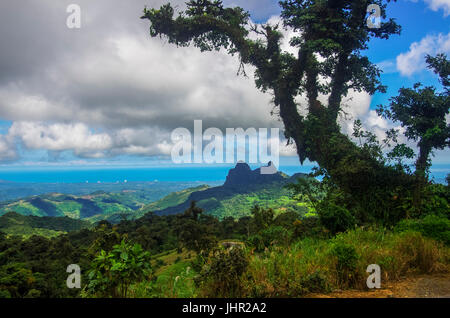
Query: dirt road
[(424, 286)]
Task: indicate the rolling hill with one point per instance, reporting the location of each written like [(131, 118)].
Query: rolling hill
[(27, 225), (95, 206)]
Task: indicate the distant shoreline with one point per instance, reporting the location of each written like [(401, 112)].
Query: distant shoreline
[(123, 175)]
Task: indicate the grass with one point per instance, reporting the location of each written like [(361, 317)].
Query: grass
[(312, 265), (309, 265), (173, 280)]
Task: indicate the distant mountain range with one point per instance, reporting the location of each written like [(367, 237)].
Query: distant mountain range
[(148, 191), (242, 189)]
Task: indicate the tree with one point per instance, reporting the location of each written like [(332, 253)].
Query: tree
[(16, 280), (422, 112), (331, 36), (194, 234), (106, 236), (112, 273), (194, 211), (262, 218)]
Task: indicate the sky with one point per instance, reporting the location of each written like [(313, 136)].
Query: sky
[(108, 93)]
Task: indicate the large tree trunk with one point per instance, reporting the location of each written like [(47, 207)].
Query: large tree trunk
[(366, 180), (421, 175), (422, 161)]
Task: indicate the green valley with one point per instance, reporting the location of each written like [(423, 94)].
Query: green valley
[(13, 223), (96, 206)]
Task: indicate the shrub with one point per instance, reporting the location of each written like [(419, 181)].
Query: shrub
[(198, 262), (417, 253), (436, 198), (318, 265), (307, 227), (112, 273), (222, 275), (346, 262), (4, 293), (315, 283), (257, 242), (336, 218), (275, 235), (432, 226)]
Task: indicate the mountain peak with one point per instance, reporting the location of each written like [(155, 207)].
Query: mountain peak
[(242, 166), (243, 175)]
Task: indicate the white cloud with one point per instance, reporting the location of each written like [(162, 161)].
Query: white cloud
[(435, 5), (7, 149), (61, 137), (387, 66), (143, 141), (414, 60), (110, 89), (85, 143), (118, 80)]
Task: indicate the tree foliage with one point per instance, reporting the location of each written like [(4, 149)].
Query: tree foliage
[(422, 111), (329, 42), (113, 272)]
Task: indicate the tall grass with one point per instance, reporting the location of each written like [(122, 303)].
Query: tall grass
[(314, 265), (174, 282)]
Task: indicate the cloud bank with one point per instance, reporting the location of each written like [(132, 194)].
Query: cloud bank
[(108, 89)]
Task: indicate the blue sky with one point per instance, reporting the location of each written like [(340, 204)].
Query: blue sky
[(418, 21), (108, 94)]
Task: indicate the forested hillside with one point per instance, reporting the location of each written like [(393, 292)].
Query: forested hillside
[(16, 224), (93, 207), (242, 189)]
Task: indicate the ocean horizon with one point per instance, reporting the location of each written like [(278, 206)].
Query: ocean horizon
[(125, 174), (149, 174)]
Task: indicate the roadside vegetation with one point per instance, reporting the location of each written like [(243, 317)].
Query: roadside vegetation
[(375, 203)]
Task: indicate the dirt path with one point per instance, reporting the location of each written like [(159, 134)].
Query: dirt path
[(424, 286)]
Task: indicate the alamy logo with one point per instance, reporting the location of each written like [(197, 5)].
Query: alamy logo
[(74, 19), (74, 279), (374, 19), (237, 143), (374, 279)]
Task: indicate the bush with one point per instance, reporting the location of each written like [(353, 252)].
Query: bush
[(198, 263), (318, 265), (257, 242), (315, 283), (346, 262), (308, 227), (4, 294), (275, 235), (112, 273), (432, 226), (417, 253), (222, 275), (436, 198), (336, 218)]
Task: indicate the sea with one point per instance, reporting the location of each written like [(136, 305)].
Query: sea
[(145, 174)]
